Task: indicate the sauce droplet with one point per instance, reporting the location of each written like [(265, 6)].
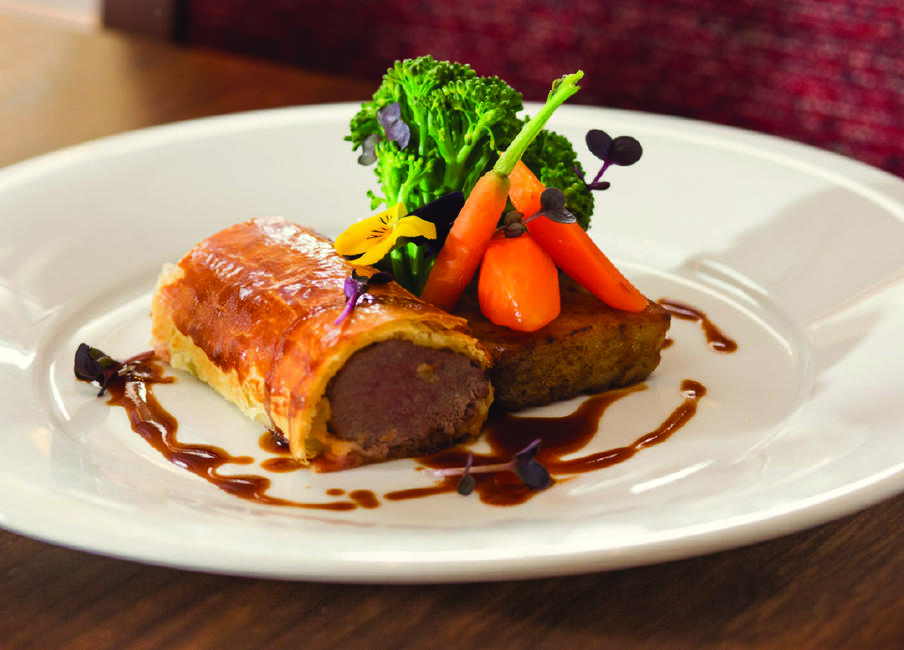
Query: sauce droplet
[(364, 498), (715, 339), (273, 442)]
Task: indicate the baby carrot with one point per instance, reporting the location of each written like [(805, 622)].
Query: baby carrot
[(525, 189), (472, 230), (519, 284), (572, 249), (469, 236)]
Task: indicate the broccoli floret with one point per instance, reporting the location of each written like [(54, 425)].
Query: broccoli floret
[(552, 158), (458, 123)]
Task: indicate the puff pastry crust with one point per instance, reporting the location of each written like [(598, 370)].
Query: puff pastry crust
[(252, 310)]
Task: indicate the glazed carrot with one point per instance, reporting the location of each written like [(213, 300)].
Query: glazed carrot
[(519, 284), (472, 230), (460, 256), (572, 249), (525, 190)]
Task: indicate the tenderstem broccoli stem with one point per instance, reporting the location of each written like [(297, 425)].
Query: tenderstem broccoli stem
[(561, 90)]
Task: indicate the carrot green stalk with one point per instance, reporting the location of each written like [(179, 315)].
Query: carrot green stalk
[(470, 235), (571, 248), (519, 284)]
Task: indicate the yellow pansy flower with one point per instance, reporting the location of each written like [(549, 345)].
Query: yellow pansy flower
[(372, 238)]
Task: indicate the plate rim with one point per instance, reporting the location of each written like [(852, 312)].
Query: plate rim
[(840, 503)]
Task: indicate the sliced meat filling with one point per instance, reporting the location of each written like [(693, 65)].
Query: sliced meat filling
[(395, 398)]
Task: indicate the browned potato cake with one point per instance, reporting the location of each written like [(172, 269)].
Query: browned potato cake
[(589, 348)]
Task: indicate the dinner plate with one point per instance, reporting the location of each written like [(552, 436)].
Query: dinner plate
[(794, 253)]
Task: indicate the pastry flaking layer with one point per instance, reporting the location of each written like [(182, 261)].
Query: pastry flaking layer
[(252, 311)]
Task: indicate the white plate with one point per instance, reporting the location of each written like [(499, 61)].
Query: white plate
[(796, 253)]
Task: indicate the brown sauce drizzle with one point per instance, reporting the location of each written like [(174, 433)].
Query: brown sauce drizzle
[(561, 437), (281, 464), (715, 339), (134, 392), (506, 435)]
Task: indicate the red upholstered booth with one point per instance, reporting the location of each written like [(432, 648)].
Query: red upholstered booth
[(826, 72)]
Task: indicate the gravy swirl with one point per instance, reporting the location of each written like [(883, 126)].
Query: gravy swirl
[(133, 390)]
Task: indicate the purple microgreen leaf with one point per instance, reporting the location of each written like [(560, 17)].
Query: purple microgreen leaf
[(92, 365), (513, 230), (368, 149), (600, 143), (355, 286), (527, 454), (467, 483), (390, 118), (552, 206), (512, 216), (532, 473), (512, 224), (523, 464), (561, 216), (622, 151), (625, 151), (552, 199)]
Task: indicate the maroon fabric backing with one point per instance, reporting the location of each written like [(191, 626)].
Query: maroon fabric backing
[(825, 72)]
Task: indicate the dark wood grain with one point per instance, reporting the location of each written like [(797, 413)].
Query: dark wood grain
[(840, 585)]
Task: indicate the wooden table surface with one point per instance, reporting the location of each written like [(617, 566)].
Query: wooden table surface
[(837, 585)]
